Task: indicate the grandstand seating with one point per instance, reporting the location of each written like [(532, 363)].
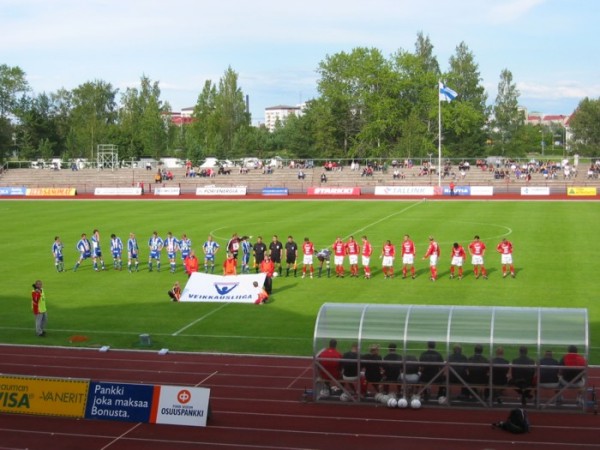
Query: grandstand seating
[(86, 180)]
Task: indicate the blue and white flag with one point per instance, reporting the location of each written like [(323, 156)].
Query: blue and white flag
[(446, 94)]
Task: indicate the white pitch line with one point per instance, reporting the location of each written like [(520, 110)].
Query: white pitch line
[(206, 378), (200, 319), (383, 219)]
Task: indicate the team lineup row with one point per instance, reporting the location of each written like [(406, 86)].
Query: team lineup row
[(278, 253)]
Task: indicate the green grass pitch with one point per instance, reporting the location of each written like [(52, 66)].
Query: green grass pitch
[(556, 252)]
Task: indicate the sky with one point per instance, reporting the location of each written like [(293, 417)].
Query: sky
[(275, 47)]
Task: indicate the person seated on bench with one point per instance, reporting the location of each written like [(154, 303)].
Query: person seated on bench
[(371, 362), (478, 375), (410, 374), (349, 365), (392, 365), (500, 369), (522, 377), (430, 372), (572, 377)]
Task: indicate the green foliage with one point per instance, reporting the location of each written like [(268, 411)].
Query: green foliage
[(584, 125), (555, 262)]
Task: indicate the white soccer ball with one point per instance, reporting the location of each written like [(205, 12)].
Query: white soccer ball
[(392, 403), (442, 400), (402, 403), (415, 403), (275, 274), (378, 397), (384, 399), (324, 393), (345, 397)]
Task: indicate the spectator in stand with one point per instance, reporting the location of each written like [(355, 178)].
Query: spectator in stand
[(522, 375), (323, 178), (574, 368), (301, 175)]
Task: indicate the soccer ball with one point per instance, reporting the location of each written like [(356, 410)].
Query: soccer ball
[(392, 402), (402, 403), (384, 399), (275, 274), (345, 397), (415, 403), (442, 400), (324, 393), (378, 397)]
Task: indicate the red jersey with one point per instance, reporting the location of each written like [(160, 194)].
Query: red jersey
[(267, 267), (308, 248), (477, 248), (433, 249), (339, 248), (408, 248), (191, 264), (388, 250), (331, 363), (352, 247), (460, 251), (367, 249), (505, 247)]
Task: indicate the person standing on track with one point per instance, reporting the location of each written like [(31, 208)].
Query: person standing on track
[(38, 306)]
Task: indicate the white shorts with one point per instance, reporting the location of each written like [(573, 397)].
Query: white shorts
[(338, 260), (456, 261), (507, 259), (388, 261), (353, 259), (477, 260), (433, 259), (307, 260), (408, 259), (366, 260)]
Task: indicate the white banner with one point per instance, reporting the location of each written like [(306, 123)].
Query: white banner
[(535, 190), (167, 191), (179, 405), (221, 190), (404, 190), (482, 190), (208, 288), (118, 191)]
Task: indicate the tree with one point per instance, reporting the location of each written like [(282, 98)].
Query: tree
[(464, 120), (12, 82), (507, 116), (584, 126), (93, 116)]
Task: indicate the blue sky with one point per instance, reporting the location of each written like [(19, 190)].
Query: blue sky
[(550, 46)]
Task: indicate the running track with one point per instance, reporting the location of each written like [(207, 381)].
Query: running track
[(257, 404)]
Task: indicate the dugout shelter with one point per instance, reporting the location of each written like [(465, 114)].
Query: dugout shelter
[(412, 327)]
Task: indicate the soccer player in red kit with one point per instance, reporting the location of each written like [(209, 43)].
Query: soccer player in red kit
[(458, 258), (353, 249), (477, 250), (408, 256), (433, 253), (388, 252), (367, 251), (339, 252), (308, 251), (505, 248)]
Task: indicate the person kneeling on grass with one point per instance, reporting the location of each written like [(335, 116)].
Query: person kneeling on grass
[(175, 292), (262, 294)]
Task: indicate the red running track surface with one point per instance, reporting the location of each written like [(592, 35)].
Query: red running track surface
[(257, 403)]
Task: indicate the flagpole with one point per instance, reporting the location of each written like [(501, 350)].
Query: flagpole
[(439, 136)]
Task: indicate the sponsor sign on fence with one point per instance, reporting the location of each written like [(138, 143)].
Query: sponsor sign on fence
[(325, 190), (535, 190), (221, 190), (482, 190), (173, 191), (178, 405), (203, 287), (51, 192), (118, 191), (275, 191), (119, 401), (43, 396), (10, 191), (458, 190), (405, 190), (582, 191)]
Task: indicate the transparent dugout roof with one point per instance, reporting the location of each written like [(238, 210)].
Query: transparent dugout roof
[(412, 325)]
